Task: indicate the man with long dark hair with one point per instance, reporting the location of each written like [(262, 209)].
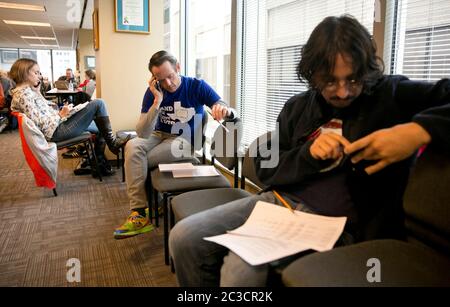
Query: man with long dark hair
[(345, 149)]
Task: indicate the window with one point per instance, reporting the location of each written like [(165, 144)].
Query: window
[(418, 40), (62, 59), (272, 34), (172, 27), (8, 57), (208, 38)]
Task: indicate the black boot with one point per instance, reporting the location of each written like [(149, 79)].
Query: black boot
[(104, 126), (104, 166)]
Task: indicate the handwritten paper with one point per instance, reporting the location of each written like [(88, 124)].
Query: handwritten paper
[(273, 232)]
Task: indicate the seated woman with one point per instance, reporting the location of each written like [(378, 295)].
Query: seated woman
[(56, 125), (88, 86)]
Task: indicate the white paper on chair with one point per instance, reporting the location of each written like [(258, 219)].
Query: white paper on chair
[(175, 166), (197, 171), (273, 232)]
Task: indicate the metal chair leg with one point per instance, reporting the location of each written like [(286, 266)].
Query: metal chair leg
[(166, 230), (171, 215), (155, 196), (91, 146), (149, 191), (54, 192), (172, 265), (122, 150)]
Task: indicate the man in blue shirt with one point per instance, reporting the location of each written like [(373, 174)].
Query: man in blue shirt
[(170, 121)]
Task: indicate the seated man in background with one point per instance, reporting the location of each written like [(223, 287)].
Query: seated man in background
[(345, 149), (69, 77), (170, 105)]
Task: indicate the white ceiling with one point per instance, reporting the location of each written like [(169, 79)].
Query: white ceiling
[(63, 15)]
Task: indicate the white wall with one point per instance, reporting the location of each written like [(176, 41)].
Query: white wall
[(85, 48), (122, 61)]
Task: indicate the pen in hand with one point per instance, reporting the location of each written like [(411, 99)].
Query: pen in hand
[(283, 201), (223, 126)]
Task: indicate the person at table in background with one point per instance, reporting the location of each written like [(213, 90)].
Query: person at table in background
[(171, 102), (55, 124), (88, 86), (46, 84), (69, 77), (345, 149)]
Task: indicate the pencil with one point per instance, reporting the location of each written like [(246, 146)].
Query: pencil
[(226, 129), (283, 201)]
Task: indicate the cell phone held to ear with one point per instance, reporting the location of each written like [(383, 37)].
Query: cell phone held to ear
[(158, 86)]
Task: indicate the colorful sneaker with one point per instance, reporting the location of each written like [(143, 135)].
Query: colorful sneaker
[(135, 224)]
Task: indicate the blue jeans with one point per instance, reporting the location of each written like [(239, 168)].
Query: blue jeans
[(80, 121), (203, 263)]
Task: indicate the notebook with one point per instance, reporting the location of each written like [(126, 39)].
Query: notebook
[(75, 109)]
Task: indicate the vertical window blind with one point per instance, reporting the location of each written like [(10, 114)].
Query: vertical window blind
[(272, 34), (417, 41)]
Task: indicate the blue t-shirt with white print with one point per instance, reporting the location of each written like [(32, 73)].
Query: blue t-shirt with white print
[(181, 106)]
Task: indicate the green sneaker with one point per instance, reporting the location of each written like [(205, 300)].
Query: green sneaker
[(134, 225)]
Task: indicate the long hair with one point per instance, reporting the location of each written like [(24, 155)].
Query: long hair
[(160, 57), (20, 70), (340, 35)]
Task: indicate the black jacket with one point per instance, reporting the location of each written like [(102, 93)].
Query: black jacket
[(377, 198)]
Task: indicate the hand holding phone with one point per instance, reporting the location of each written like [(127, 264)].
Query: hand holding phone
[(154, 84), (156, 90), (157, 86)]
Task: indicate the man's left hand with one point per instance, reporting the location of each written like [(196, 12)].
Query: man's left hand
[(220, 111), (388, 145)]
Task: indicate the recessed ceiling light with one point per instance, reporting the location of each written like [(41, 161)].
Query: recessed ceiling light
[(38, 37), (16, 6), (43, 45), (26, 23)]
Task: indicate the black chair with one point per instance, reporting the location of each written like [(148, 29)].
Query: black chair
[(168, 187), (193, 202), (85, 139), (423, 260)]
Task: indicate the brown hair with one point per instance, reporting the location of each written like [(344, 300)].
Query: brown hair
[(20, 70), (90, 73), (160, 57)]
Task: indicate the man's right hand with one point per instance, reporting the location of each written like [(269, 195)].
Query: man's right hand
[(328, 146), (157, 94)]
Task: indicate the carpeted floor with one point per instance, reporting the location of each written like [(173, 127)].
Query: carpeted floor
[(39, 233)]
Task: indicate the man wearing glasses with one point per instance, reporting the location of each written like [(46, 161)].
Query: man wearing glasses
[(345, 149)]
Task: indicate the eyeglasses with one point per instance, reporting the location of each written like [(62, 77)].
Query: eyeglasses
[(333, 86)]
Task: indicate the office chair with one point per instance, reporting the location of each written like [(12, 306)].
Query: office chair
[(167, 186)]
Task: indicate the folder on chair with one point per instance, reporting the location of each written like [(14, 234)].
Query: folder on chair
[(197, 171), (175, 166)]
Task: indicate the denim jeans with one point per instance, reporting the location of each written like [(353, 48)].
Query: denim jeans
[(80, 121), (203, 263)]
